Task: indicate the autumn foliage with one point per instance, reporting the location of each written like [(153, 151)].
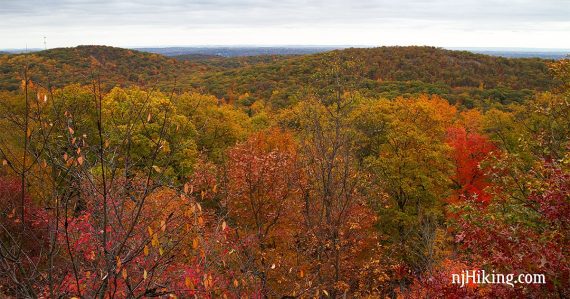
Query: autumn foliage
[(469, 151), (137, 193)]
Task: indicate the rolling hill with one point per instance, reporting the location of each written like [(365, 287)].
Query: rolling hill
[(391, 71), (280, 79), (114, 66)]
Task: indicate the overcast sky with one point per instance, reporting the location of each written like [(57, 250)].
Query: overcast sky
[(132, 23)]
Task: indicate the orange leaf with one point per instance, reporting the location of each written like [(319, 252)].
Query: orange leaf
[(118, 264), (188, 283)]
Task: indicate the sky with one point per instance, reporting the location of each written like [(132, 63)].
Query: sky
[(146, 23)]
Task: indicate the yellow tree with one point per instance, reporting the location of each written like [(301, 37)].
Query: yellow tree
[(402, 142)]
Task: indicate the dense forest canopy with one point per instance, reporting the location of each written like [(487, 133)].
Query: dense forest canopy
[(386, 71), (359, 173)]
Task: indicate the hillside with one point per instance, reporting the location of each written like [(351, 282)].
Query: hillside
[(220, 63), (387, 71), (115, 66), (392, 71)]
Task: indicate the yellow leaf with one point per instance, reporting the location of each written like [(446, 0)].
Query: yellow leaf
[(200, 220), (236, 283), (145, 250), (162, 225), (4, 162), (124, 273), (186, 188), (28, 133), (150, 231), (160, 251), (156, 168), (215, 188), (145, 275), (195, 243), (301, 273), (224, 225), (148, 117)]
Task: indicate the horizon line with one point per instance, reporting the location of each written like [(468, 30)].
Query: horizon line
[(340, 46)]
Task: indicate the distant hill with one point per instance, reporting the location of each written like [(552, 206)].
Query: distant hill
[(391, 71), (543, 53), (281, 79), (117, 66), (236, 51), (525, 54), (114, 66)]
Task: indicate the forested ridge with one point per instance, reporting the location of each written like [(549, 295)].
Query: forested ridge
[(393, 71), (356, 173), (385, 71)]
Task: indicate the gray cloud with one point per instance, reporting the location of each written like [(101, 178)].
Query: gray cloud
[(26, 16)]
